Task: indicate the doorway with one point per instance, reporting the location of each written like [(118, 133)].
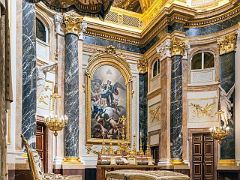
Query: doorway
[(202, 157), (41, 143)]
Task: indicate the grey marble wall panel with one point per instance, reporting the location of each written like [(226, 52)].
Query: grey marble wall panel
[(227, 80), (176, 108), (213, 28), (143, 115), (29, 100), (71, 97)]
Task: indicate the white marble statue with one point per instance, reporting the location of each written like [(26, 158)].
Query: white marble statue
[(226, 104)]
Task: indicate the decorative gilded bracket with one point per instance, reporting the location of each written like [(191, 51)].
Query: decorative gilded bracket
[(142, 66)]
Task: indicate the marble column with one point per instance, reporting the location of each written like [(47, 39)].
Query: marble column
[(176, 114), (227, 45), (164, 54), (71, 87), (29, 100), (143, 90)]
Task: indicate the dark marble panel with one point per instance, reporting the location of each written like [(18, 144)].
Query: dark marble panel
[(176, 26), (227, 80), (149, 44), (118, 45), (143, 90), (176, 108), (71, 96), (213, 28), (29, 73)]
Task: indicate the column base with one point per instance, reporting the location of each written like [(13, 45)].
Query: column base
[(227, 162), (57, 160), (164, 162), (177, 161)]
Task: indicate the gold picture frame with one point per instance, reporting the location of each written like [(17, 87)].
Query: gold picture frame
[(111, 59)]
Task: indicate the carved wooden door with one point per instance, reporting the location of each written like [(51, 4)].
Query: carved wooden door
[(41, 143), (202, 157)]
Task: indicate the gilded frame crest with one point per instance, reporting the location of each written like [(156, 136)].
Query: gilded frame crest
[(107, 58)]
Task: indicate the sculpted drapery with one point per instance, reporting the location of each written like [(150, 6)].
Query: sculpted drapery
[(97, 8)]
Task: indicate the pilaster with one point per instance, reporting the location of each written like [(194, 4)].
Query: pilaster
[(227, 45), (176, 108), (29, 77), (164, 53)]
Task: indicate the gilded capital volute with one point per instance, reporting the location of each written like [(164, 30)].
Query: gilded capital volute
[(178, 46), (142, 66), (72, 23), (227, 43)]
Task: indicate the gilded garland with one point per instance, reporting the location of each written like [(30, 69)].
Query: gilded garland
[(108, 97)]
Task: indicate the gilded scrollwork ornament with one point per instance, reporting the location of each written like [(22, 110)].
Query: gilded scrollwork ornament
[(72, 23), (142, 66), (227, 43)]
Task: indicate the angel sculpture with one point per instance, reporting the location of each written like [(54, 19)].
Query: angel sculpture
[(226, 104)]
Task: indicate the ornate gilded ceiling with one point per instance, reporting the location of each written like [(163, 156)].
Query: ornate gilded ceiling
[(84, 7), (138, 6)]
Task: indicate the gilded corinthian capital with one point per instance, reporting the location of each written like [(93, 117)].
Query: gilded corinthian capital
[(142, 66), (227, 43), (73, 23), (178, 46)]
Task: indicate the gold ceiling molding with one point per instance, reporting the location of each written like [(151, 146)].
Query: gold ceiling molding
[(178, 46), (83, 7), (142, 66), (72, 23), (227, 43)]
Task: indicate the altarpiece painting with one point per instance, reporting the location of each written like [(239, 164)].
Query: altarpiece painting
[(108, 100)]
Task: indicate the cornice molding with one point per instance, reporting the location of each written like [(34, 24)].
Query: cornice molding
[(154, 93), (215, 19)]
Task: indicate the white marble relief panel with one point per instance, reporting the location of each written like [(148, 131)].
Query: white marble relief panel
[(202, 111), (154, 117), (44, 100)]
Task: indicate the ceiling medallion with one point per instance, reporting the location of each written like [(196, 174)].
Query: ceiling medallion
[(97, 8)]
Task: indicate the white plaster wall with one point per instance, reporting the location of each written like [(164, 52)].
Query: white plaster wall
[(12, 11)]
